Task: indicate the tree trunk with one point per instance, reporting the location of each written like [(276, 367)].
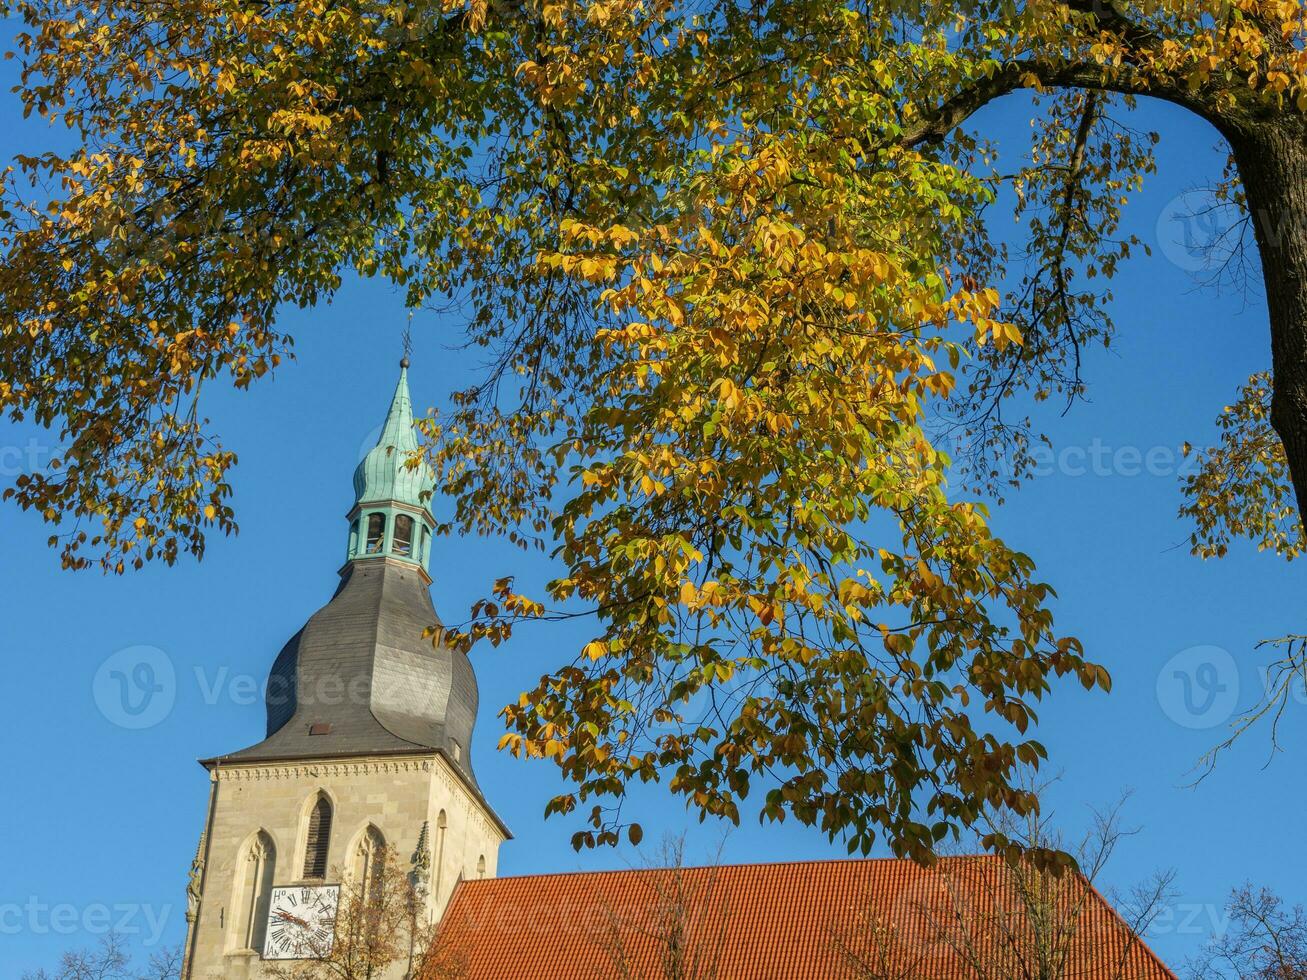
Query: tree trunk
[(1272, 160)]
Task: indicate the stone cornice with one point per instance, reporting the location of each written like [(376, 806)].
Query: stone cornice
[(309, 768), (407, 566), (343, 768)]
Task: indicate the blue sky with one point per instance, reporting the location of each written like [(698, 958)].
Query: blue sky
[(101, 820)]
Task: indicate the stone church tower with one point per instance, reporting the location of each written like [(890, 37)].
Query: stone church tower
[(368, 744)]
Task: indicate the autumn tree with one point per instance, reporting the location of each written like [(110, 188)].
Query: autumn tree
[(111, 960), (382, 931), (1042, 923), (730, 267), (1265, 939), (678, 925), (1020, 920)]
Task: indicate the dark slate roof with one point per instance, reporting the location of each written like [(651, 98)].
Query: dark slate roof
[(362, 676)]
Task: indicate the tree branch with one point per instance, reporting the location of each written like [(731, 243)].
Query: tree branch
[(1108, 15), (1039, 75)]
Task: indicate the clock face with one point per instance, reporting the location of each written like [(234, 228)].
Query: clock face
[(301, 922)]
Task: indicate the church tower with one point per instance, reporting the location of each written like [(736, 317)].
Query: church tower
[(368, 742)]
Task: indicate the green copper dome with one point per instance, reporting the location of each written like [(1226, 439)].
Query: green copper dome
[(391, 516), (383, 473)]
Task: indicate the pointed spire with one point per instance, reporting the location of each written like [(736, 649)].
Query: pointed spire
[(384, 475), (398, 432)]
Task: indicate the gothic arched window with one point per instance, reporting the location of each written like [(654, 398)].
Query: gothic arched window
[(319, 839), (255, 874), (442, 825), (376, 533), (481, 866), (370, 863), (403, 544)]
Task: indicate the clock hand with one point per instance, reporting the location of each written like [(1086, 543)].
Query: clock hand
[(291, 918)]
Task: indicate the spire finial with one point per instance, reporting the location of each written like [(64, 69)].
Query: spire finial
[(408, 345)]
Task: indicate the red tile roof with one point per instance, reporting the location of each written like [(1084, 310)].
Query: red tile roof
[(798, 921)]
